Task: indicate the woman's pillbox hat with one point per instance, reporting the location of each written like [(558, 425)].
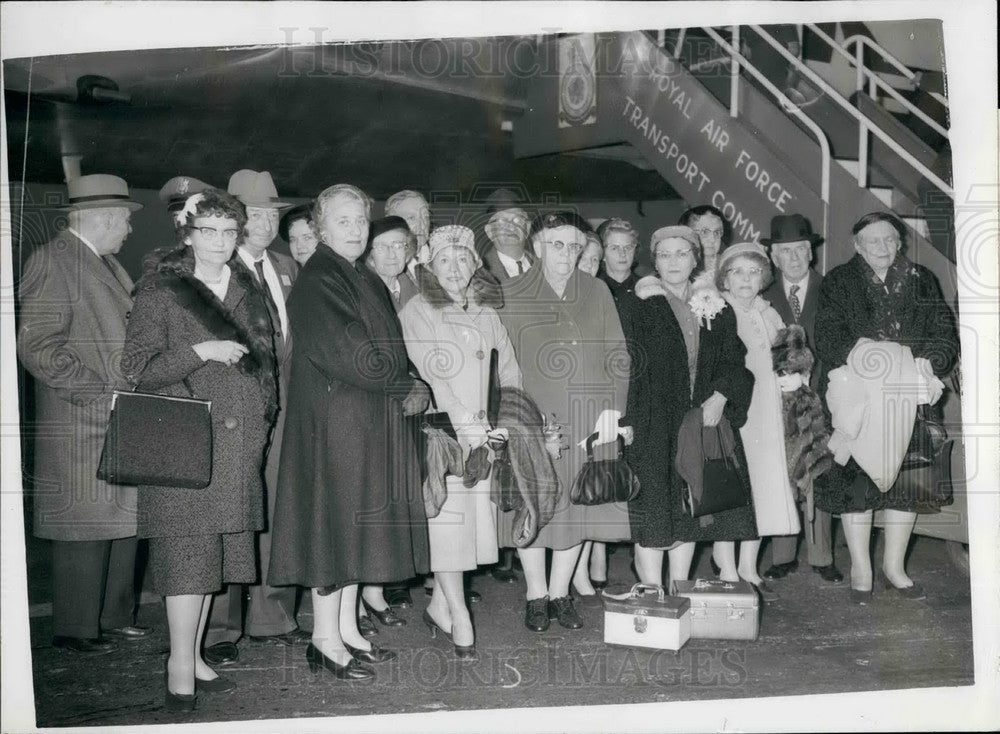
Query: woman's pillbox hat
[(742, 248), (453, 235), (678, 231)]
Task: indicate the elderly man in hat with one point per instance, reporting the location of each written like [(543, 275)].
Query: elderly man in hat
[(795, 295), (507, 255), (271, 611), (74, 300)]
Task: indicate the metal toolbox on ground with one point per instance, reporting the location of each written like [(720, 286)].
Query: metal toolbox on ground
[(646, 617), (720, 610)]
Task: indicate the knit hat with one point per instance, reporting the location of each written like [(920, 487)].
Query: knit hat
[(452, 235)]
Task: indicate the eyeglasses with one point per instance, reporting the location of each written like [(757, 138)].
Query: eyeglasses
[(573, 247), (801, 250), (745, 272), (706, 232), (622, 250), (679, 255), (211, 234), (891, 241), (384, 247)]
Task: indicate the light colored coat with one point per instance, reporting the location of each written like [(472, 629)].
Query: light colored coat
[(450, 347), (72, 328)]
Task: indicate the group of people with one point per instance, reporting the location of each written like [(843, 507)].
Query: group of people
[(324, 371)]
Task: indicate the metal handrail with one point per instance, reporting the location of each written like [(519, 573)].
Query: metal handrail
[(884, 53), (865, 124), (738, 61), (874, 80)]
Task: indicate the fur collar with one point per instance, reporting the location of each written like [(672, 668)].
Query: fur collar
[(174, 272), (484, 289), (649, 286)]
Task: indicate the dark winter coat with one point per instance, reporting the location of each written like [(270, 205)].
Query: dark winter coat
[(72, 325), (174, 311), (349, 505), (659, 397)]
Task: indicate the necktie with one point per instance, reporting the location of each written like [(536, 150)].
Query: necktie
[(272, 307), (520, 267), (793, 301)]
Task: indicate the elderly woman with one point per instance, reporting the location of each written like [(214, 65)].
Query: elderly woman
[(451, 328), (389, 244), (712, 229), (349, 507), (684, 359), (571, 349), (297, 229), (881, 296), (744, 271), (620, 240), (200, 327)]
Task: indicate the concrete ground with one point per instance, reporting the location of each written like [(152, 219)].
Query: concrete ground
[(811, 641)]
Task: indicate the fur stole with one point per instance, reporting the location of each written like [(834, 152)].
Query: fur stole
[(484, 289), (174, 272)]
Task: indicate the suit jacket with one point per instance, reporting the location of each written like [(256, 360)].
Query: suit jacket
[(491, 261), (775, 295), (73, 310)]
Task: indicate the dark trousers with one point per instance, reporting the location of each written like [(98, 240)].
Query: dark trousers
[(225, 619), (271, 610), (93, 586), (819, 549)]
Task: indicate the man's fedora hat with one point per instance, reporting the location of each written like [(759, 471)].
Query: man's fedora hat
[(255, 188), (790, 228), (98, 191)]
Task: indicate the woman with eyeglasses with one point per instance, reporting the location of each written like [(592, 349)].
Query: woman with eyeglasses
[(713, 232), (744, 271), (880, 296), (200, 327), (569, 343), (687, 353)]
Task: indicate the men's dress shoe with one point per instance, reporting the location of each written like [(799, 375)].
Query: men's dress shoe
[(221, 653), (536, 614), (85, 646), (562, 610), (297, 636), (831, 574), (366, 627), (504, 575), (767, 594), (351, 671), (780, 570), (129, 633), (386, 616), (373, 656), (913, 593), (216, 685), (398, 598)]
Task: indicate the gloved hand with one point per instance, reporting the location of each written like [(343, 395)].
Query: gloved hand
[(711, 409)]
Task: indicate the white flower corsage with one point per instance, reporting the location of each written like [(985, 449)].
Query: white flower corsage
[(190, 208), (706, 304)]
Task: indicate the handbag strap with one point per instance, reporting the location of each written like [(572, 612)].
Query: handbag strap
[(724, 450)]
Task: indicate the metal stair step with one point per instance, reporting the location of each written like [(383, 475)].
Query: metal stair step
[(849, 164), (918, 225), (884, 194)]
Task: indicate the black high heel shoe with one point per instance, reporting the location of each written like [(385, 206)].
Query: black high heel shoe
[(352, 671), (465, 653), (366, 627), (374, 656), (386, 616), (599, 584), (176, 701)]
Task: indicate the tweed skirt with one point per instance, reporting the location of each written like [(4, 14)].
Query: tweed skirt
[(201, 564)]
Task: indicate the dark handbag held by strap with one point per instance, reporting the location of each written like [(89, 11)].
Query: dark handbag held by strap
[(158, 440), (605, 477), (929, 436), (722, 485)]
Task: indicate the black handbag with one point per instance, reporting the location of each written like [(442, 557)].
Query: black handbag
[(605, 477), (927, 440), (722, 484), (503, 484), (157, 440)]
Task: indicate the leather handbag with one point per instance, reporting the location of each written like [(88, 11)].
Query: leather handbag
[(722, 484), (927, 440), (158, 441), (605, 476)]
